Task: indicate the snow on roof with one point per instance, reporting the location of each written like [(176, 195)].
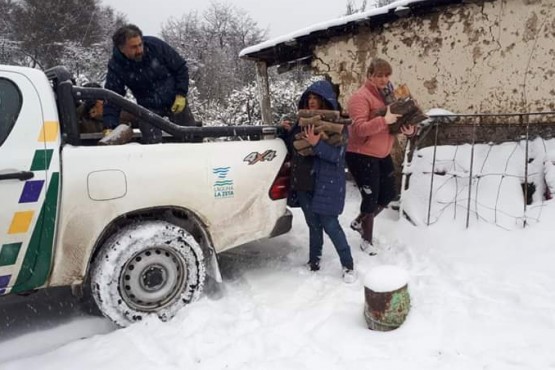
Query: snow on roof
[(397, 5)]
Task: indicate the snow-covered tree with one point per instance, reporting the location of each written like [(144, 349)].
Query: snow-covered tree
[(380, 3), (211, 44), (224, 90), (6, 9), (89, 62), (10, 49), (45, 33), (243, 107), (353, 8)]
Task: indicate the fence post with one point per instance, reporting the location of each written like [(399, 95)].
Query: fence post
[(470, 174), (526, 169), (433, 172), (264, 92)]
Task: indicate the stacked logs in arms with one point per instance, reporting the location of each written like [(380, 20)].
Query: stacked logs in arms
[(402, 103), (328, 123)]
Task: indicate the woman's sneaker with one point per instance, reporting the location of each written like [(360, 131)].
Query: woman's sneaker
[(349, 275), (368, 248)]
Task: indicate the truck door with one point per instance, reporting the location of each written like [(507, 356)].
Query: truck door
[(24, 185)]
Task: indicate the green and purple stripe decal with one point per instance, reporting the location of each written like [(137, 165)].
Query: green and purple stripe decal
[(38, 252)]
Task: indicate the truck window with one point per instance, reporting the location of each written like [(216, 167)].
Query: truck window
[(10, 106)]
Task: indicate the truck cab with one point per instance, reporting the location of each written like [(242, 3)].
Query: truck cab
[(141, 224)]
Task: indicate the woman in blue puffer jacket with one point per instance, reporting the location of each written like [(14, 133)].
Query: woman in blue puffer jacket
[(318, 181)]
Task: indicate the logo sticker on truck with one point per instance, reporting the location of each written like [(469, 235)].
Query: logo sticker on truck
[(223, 186), (255, 157)]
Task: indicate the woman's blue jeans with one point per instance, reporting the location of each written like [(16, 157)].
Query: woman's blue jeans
[(317, 224)]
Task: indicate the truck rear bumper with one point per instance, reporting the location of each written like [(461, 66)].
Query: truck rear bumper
[(283, 224)]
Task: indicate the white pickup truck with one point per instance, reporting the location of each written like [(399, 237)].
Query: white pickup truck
[(142, 224)]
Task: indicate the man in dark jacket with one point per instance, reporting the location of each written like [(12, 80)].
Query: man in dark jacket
[(155, 73)]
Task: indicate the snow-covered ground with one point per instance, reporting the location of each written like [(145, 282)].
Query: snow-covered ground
[(482, 298)]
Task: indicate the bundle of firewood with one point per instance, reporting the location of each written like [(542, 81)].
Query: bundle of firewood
[(405, 105), (328, 123)]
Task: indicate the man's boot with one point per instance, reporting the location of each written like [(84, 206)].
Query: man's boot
[(367, 222)]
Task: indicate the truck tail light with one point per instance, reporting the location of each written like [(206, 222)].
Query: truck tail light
[(280, 186)]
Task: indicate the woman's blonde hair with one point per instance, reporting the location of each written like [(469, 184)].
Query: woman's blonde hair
[(378, 65)]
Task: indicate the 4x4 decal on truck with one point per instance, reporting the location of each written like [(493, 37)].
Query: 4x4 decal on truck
[(255, 157), (223, 187)]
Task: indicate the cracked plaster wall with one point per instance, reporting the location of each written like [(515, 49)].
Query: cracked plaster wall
[(488, 56)]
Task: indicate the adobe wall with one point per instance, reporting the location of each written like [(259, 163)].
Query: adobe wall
[(493, 56)]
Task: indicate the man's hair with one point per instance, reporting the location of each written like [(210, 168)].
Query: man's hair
[(124, 33), (378, 65)]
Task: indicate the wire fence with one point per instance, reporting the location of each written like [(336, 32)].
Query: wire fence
[(492, 168)]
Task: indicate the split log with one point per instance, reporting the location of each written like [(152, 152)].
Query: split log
[(122, 134), (411, 114), (402, 91), (328, 115), (307, 121), (328, 123), (335, 139), (329, 127), (386, 298), (301, 144), (306, 151), (323, 135), (303, 147), (321, 126)]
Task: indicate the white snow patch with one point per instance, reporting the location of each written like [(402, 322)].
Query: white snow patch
[(439, 112), (386, 278), (549, 171)]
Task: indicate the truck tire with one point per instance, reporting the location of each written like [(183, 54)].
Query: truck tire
[(148, 268)]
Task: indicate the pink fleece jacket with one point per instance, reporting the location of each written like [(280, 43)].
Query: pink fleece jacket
[(368, 136)]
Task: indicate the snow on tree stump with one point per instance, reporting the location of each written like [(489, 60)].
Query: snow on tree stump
[(387, 300)]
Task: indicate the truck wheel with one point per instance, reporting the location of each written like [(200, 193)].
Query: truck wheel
[(149, 268)]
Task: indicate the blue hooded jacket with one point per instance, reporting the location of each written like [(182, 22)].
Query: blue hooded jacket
[(154, 81), (328, 164)]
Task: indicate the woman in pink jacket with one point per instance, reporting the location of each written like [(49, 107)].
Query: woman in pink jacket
[(368, 152)]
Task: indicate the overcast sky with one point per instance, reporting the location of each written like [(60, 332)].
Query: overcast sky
[(279, 16)]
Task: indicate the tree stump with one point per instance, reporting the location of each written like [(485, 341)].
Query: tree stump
[(387, 300)]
